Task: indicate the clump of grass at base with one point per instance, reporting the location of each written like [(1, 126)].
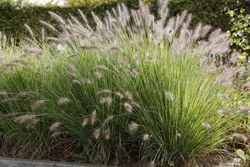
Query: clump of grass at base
[(124, 97)]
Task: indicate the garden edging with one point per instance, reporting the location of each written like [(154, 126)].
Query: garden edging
[(10, 162)]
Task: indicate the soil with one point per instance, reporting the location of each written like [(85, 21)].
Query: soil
[(217, 161)]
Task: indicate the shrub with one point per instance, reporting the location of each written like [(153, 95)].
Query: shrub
[(207, 11), (240, 21), (13, 17), (90, 3), (133, 88)]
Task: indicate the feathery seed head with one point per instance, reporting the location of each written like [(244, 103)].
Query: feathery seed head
[(72, 68), (10, 100), (93, 117), (223, 112), (105, 91), (60, 48), (134, 72), (101, 67), (133, 127), (63, 100), (106, 100), (87, 81), (55, 134), (206, 125), (57, 17), (32, 122), (28, 119), (3, 93), (29, 30), (85, 121), (178, 134), (145, 137), (136, 21), (107, 120), (34, 51), (21, 62), (226, 97), (137, 59), (97, 133), (98, 75), (149, 56), (244, 110), (107, 134), (48, 25), (115, 49), (135, 104), (170, 96), (75, 81), (128, 107), (126, 63), (10, 65), (119, 95), (37, 104), (89, 47), (54, 126), (128, 95), (151, 164)]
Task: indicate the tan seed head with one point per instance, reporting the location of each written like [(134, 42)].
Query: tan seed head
[(63, 100)]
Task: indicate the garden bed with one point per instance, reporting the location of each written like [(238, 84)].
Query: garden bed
[(132, 89)]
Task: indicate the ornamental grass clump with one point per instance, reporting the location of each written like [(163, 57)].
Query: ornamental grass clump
[(134, 88)]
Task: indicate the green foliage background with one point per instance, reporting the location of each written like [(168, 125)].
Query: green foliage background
[(14, 16), (240, 27), (206, 11)]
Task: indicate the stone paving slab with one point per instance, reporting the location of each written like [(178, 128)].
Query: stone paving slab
[(9, 162)]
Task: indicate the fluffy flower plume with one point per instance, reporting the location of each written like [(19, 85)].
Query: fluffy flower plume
[(37, 104), (176, 30), (106, 100), (97, 133), (63, 100), (28, 120), (133, 127), (93, 118), (128, 107), (54, 126)]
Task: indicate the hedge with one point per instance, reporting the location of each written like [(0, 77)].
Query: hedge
[(207, 11), (13, 18)]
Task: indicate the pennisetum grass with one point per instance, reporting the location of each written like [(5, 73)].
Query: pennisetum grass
[(139, 85)]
